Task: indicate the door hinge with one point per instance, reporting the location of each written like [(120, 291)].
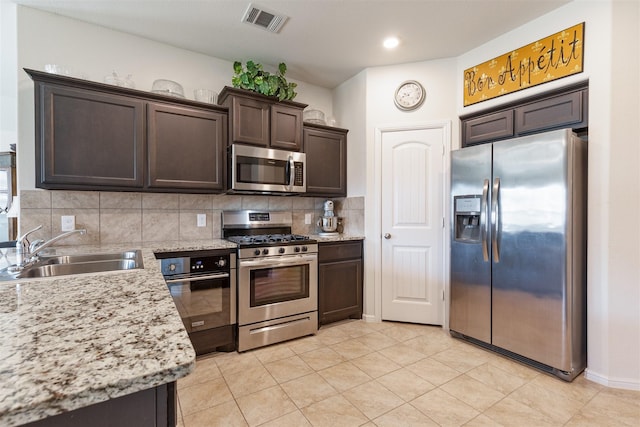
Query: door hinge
[(442, 222), (443, 295)]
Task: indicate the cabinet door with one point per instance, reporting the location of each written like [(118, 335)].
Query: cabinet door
[(340, 290), (487, 128), (286, 127), (186, 147), (326, 162), (339, 281), (250, 121), (88, 139), (556, 112)]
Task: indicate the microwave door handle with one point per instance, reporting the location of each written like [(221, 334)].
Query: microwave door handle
[(290, 172)]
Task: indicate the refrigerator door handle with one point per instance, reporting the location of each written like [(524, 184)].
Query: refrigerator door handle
[(495, 220), (484, 231)]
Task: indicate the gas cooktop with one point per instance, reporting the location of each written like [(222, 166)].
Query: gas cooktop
[(270, 239)]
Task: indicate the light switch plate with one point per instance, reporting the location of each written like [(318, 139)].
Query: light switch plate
[(307, 218), (67, 222), (201, 220)]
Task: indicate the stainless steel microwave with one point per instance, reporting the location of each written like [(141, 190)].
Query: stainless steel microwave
[(265, 170)]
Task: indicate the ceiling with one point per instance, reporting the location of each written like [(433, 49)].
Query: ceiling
[(324, 42)]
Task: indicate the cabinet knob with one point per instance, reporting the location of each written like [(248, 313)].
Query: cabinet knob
[(387, 236)]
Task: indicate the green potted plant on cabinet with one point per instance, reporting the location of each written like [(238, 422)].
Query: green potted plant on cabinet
[(256, 79)]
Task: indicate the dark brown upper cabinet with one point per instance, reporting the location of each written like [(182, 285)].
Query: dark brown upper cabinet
[(93, 136), (261, 120), (88, 139), (186, 147), (562, 108), (326, 149)]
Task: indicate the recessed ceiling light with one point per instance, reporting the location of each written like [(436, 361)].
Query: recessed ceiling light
[(391, 42)]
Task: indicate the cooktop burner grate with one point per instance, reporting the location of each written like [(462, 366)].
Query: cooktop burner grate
[(268, 238)]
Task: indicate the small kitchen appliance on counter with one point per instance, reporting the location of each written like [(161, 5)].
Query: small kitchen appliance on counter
[(328, 223)]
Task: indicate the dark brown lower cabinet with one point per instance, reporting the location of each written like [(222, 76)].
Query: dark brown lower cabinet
[(339, 281), (153, 407)]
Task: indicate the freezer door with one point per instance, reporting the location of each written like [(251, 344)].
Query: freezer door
[(470, 310), (530, 248)]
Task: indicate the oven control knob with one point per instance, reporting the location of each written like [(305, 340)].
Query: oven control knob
[(221, 262), (297, 249), (281, 250), (304, 249), (172, 267), (265, 252), (256, 252)]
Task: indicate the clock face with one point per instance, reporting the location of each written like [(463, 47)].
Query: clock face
[(410, 95)]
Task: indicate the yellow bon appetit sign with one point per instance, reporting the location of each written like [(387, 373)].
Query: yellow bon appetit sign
[(553, 57)]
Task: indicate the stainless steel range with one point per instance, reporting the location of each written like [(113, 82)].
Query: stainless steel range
[(277, 278)]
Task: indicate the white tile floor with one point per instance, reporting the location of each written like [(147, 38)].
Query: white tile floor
[(389, 374)]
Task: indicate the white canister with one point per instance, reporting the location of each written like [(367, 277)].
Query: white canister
[(205, 95)]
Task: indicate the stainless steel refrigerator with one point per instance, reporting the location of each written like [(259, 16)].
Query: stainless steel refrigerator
[(518, 249)]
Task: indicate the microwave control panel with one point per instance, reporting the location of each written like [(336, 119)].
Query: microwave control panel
[(298, 170)]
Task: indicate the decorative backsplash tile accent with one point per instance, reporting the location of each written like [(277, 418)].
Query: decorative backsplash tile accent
[(119, 217)]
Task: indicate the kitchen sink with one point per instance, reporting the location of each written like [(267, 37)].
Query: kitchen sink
[(134, 255), (62, 265)]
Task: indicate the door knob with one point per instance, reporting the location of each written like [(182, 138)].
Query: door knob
[(387, 235)]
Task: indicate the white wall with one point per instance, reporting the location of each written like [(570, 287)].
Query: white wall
[(8, 76), (91, 52), (622, 363), (350, 107), (376, 88)]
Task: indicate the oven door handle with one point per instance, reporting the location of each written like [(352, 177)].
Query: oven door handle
[(198, 278), (285, 260)]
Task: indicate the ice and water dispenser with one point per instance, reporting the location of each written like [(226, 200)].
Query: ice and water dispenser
[(467, 218)]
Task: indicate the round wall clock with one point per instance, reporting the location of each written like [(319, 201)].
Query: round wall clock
[(409, 95)]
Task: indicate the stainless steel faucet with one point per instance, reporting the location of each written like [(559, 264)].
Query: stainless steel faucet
[(28, 251)]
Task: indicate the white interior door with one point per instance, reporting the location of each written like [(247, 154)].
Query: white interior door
[(412, 216)]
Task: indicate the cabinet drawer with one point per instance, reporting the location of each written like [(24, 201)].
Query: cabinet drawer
[(328, 252)]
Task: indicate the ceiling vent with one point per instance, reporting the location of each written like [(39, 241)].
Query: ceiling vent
[(265, 19)]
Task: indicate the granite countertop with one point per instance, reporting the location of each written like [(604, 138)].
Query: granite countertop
[(335, 238), (72, 341)]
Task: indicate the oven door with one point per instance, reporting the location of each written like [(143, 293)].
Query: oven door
[(204, 302), (271, 288)]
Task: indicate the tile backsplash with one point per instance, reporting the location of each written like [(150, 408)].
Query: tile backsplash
[(122, 217)]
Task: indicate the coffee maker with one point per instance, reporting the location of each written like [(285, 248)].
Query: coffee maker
[(328, 223)]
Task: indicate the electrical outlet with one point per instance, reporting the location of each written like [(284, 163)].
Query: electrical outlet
[(307, 218), (202, 220), (67, 222)]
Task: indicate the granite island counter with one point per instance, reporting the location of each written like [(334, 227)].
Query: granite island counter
[(69, 342)]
